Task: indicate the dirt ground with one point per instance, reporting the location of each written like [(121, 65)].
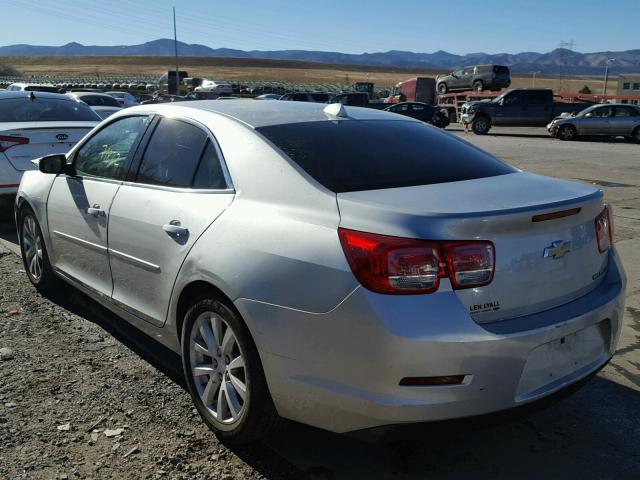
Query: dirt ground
[(84, 395), (242, 69)]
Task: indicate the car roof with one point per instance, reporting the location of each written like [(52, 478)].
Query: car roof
[(261, 114), (27, 94)]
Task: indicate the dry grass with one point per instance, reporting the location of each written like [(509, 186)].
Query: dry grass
[(259, 69)]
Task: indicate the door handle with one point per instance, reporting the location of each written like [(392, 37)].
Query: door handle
[(96, 211), (174, 229)]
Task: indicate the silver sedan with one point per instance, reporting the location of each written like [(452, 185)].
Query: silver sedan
[(599, 120), (342, 267)]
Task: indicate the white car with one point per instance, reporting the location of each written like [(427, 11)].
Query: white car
[(33, 87), (35, 124), (125, 99), (221, 88)]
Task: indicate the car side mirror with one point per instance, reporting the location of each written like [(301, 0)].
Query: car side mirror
[(589, 115), (54, 164)]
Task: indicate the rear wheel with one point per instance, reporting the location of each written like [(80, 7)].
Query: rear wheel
[(442, 88), (635, 136), (567, 132), (478, 86), (224, 374), (481, 125), (34, 252)]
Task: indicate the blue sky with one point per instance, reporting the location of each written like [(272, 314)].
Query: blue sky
[(350, 26)]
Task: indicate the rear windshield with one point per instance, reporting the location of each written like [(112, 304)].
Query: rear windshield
[(353, 155), (99, 100), (41, 88), (499, 69), (44, 110)]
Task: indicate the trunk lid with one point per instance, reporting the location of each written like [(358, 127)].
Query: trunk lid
[(499, 209), (46, 138)]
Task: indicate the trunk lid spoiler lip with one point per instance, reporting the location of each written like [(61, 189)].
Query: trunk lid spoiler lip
[(587, 193)]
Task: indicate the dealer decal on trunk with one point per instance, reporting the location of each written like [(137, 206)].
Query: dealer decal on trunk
[(485, 307)]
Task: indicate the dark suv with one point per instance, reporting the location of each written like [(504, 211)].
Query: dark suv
[(478, 78)]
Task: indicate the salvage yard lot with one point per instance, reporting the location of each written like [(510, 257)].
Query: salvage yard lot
[(75, 365)]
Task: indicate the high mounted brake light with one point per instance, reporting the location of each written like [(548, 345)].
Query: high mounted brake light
[(6, 142), (604, 229), (396, 265)]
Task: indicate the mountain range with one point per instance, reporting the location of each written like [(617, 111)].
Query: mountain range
[(554, 62)]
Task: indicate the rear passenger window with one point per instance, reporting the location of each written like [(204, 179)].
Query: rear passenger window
[(210, 174), (172, 155)]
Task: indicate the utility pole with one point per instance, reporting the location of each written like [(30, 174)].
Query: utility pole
[(606, 74), (175, 45), (533, 78)]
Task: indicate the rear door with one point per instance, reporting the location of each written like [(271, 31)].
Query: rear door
[(180, 187), (624, 121), (539, 109), (78, 207)]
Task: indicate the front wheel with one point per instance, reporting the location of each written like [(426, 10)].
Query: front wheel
[(481, 125), (567, 132), (224, 374), (478, 86), (442, 88), (34, 252)]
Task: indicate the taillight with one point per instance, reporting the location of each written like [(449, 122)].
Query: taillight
[(604, 229), (398, 265), (471, 264), (6, 142)]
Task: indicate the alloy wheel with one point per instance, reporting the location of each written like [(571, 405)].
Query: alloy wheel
[(566, 133), (32, 245), (218, 368)]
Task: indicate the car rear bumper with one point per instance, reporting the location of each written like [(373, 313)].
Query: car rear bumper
[(341, 370)]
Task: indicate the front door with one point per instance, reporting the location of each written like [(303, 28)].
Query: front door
[(511, 109), (180, 189), (597, 122), (79, 205)]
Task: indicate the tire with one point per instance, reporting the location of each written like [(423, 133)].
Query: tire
[(635, 136), (442, 88), (567, 132), (481, 125), (35, 257), (233, 419), (478, 86)]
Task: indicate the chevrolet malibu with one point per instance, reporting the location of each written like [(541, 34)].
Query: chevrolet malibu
[(342, 267)]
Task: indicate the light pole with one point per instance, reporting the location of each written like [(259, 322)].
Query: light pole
[(533, 78), (606, 74)]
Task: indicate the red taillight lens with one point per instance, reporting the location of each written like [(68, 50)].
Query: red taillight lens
[(398, 265), (604, 229), (6, 142), (471, 264)]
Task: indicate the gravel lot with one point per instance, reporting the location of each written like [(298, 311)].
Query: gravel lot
[(84, 395)]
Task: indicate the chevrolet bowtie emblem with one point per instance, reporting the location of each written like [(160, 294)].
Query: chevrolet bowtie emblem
[(558, 249)]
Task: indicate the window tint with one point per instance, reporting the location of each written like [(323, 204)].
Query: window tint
[(539, 98), (603, 112), (41, 88), (417, 107), (515, 98), (357, 155), (320, 97), (300, 97), (501, 70), (106, 153), (626, 112), (172, 155), (45, 110), (210, 174), (99, 100)]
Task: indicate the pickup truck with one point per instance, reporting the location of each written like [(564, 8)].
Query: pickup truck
[(530, 107), (358, 99)]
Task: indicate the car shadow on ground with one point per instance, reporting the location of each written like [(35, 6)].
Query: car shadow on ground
[(556, 437)]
